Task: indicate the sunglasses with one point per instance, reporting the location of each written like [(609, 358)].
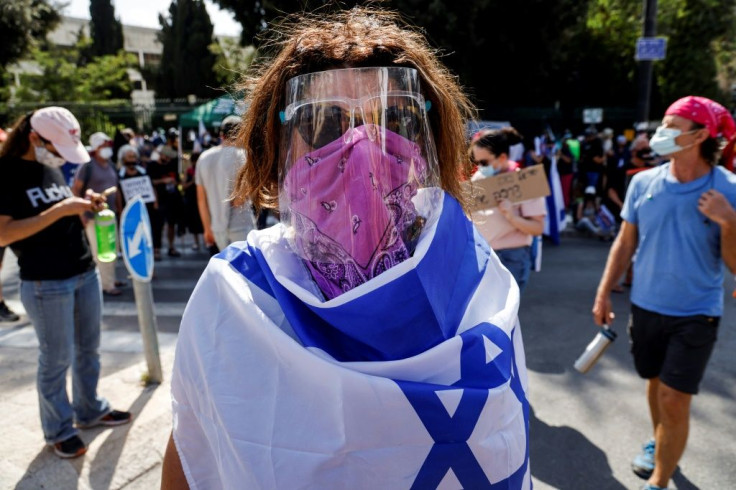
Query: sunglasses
[(321, 122)]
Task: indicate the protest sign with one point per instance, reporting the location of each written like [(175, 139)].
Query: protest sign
[(526, 184), (138, 186)]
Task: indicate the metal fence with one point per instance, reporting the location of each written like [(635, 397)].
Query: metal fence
[(110, 115)]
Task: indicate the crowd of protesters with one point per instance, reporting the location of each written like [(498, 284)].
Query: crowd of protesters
[(128, 154), (594, 169)]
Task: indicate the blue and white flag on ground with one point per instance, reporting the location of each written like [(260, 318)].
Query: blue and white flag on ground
[(415, 379), (554, 222)]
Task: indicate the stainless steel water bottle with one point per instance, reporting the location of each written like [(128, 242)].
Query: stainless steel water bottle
[(595, 349)]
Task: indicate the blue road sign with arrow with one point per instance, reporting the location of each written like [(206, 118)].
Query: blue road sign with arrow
[(137, 246)]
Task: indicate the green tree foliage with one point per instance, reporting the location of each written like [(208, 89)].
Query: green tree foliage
[(23, 23), (255, 15), (570, 53), (106, 30), (60, 78), (187, 64), (232, 60), (697, 31)]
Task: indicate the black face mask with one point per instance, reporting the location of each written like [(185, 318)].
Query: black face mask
[(131, 164)]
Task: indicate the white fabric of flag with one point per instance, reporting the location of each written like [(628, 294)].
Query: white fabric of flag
[(414, 379)]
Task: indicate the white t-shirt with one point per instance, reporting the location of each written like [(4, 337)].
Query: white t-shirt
[(216, 170)]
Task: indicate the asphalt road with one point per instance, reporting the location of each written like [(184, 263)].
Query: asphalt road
[(585, 429)]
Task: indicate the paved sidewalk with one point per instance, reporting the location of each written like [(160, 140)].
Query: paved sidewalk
[(127, 457)]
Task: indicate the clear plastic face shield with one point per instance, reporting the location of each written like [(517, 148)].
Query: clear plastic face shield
[(358, 177)]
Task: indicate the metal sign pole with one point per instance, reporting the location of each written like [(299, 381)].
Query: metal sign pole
[(646, 67), (137, 248), (147, 323)]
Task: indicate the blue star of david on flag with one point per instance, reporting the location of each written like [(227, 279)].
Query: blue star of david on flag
[(450, 414)]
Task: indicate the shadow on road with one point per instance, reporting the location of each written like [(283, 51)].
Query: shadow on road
[(682, 482), (564, 458), (49, 471), (102, 467)]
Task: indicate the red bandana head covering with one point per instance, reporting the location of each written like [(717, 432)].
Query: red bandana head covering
[(712, 115)]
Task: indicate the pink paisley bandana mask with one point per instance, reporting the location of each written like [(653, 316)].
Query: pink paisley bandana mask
[(351, 207)]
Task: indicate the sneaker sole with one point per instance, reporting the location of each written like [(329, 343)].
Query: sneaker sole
[(64, 455), (114, 423), (642, 473)]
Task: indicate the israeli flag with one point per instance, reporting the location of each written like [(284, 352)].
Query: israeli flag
[(555, 220), (414, 379)]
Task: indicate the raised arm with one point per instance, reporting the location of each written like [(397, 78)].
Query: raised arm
[(12, 230), (716, 207)]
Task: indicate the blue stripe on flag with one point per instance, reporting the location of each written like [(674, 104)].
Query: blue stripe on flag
[(244, 261), (555, 205), (554, 231), (418, 310), (517, 478)]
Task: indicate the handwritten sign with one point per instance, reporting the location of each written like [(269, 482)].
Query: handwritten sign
[(138, 186), (526, 184)]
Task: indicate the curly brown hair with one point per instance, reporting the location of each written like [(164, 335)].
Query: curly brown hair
[(359, 37)]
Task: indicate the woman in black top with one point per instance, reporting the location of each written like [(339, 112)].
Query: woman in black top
[(60, 288)]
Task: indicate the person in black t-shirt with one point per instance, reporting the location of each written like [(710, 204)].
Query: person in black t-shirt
[(60, 287), (131, 168), (618, 163), (592, 159), (164, 174)]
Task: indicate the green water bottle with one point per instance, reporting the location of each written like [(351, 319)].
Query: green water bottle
[(105, 232)]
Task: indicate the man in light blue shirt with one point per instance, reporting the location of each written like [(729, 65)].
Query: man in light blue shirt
[(680, 220)]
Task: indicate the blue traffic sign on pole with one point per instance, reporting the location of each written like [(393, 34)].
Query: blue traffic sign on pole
[(137, 242), (651, 48)]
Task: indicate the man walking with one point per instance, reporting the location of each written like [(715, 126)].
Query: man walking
[(680, 220), (223, 223)]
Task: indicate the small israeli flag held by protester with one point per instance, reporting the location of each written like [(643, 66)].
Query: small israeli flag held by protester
[(555, 221), (414, 379)]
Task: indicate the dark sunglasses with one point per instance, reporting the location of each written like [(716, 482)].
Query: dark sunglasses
[(321, 123)]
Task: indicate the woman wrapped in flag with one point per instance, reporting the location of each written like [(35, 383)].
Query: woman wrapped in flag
[(369, 340)]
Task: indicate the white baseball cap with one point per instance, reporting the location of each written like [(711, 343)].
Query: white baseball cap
[(98, 139), (61, 128)]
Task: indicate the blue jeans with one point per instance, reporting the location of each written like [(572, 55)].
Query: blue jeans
[(66, 315), (592, 178), (519, 263)]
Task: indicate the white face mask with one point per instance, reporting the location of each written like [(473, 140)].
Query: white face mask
[(487, 171), (47, 158), (105, 153), (663, 141)]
